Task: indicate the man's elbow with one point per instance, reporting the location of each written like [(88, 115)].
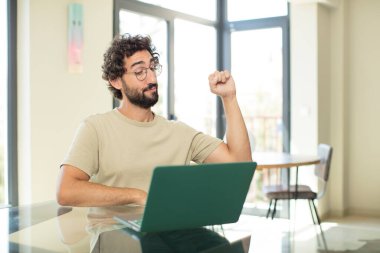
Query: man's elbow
[(247, 158), (238, 157), (63, 196), (67, 192), (241, 155)]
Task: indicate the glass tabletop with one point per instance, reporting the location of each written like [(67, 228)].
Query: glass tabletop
[(48, 227)]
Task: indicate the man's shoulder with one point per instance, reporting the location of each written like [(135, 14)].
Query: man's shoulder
[(97, 118), (177, 126), (169, 122)]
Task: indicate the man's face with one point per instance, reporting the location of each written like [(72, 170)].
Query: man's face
[(140, 82)]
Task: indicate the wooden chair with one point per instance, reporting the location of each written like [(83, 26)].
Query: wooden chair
[(299, 191)]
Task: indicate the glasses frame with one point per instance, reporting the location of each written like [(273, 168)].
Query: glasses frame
[(141, 74)]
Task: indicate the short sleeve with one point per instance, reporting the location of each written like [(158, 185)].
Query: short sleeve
[(84, 150), (202, 146)]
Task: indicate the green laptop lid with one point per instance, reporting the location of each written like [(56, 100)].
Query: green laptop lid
[(198, 195)]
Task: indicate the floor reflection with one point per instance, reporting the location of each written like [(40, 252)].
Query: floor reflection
[(349, 235)]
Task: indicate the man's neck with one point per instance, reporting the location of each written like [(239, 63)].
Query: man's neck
[(135, 112)]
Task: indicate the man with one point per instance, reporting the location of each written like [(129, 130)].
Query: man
[(111, 159)]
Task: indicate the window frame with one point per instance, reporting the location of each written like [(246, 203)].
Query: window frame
[(12, 156)]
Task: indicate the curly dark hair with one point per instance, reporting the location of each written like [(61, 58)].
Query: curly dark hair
[(123, 46)]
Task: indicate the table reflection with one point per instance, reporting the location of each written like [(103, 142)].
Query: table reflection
[(102, 233), (181, 241), (47, 227)]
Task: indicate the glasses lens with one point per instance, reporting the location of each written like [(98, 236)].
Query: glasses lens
[(141, 75), (158, 69)]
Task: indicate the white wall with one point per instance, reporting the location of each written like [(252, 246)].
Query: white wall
[(52, 102), (363, 84), (304, 78), (342, 63)]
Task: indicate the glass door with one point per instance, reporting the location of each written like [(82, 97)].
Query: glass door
[(194, 61), (257, 66)]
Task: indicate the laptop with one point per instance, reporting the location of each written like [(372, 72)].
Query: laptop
[(191, 196)]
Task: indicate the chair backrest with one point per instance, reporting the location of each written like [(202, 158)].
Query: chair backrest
[(322, 170)]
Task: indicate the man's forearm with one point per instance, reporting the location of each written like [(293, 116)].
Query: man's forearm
[(237, 135), (84, 193)]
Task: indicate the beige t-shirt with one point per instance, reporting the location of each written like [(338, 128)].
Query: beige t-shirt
[(117, 151)]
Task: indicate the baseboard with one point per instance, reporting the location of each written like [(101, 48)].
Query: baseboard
[(361, 212), (350, 212), (334, 214)]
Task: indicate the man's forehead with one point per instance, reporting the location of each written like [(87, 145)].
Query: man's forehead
[(138, 58)]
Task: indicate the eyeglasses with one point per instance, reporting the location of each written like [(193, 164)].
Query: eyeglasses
[(142, 73)]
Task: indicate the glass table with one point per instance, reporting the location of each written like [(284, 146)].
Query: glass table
[(48, 227)]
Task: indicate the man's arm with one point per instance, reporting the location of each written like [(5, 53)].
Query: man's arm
[(74, 189), (237, 147)]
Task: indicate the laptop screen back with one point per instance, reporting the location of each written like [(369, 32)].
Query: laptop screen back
[(198, 195)]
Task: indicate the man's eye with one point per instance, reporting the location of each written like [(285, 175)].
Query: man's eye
[(139, 73)]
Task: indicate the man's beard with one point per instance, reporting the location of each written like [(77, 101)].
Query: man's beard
[(139, 99)]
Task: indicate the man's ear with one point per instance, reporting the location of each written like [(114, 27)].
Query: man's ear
[(116, 83)]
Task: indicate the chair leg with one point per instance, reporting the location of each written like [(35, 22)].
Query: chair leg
[(316, 213), (311, 211), (274, 208), (270, 205)]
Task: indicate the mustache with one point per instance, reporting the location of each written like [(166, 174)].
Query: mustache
[(150, 86)]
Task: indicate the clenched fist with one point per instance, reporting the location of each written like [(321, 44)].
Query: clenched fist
[(222, 84)]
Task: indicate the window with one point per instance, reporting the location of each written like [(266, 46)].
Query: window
[(260, 65), (195, 59), (256, 9), (3, 101), (169, 30), (260, 95), (156, 28), (201, 8), (258, 72)]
